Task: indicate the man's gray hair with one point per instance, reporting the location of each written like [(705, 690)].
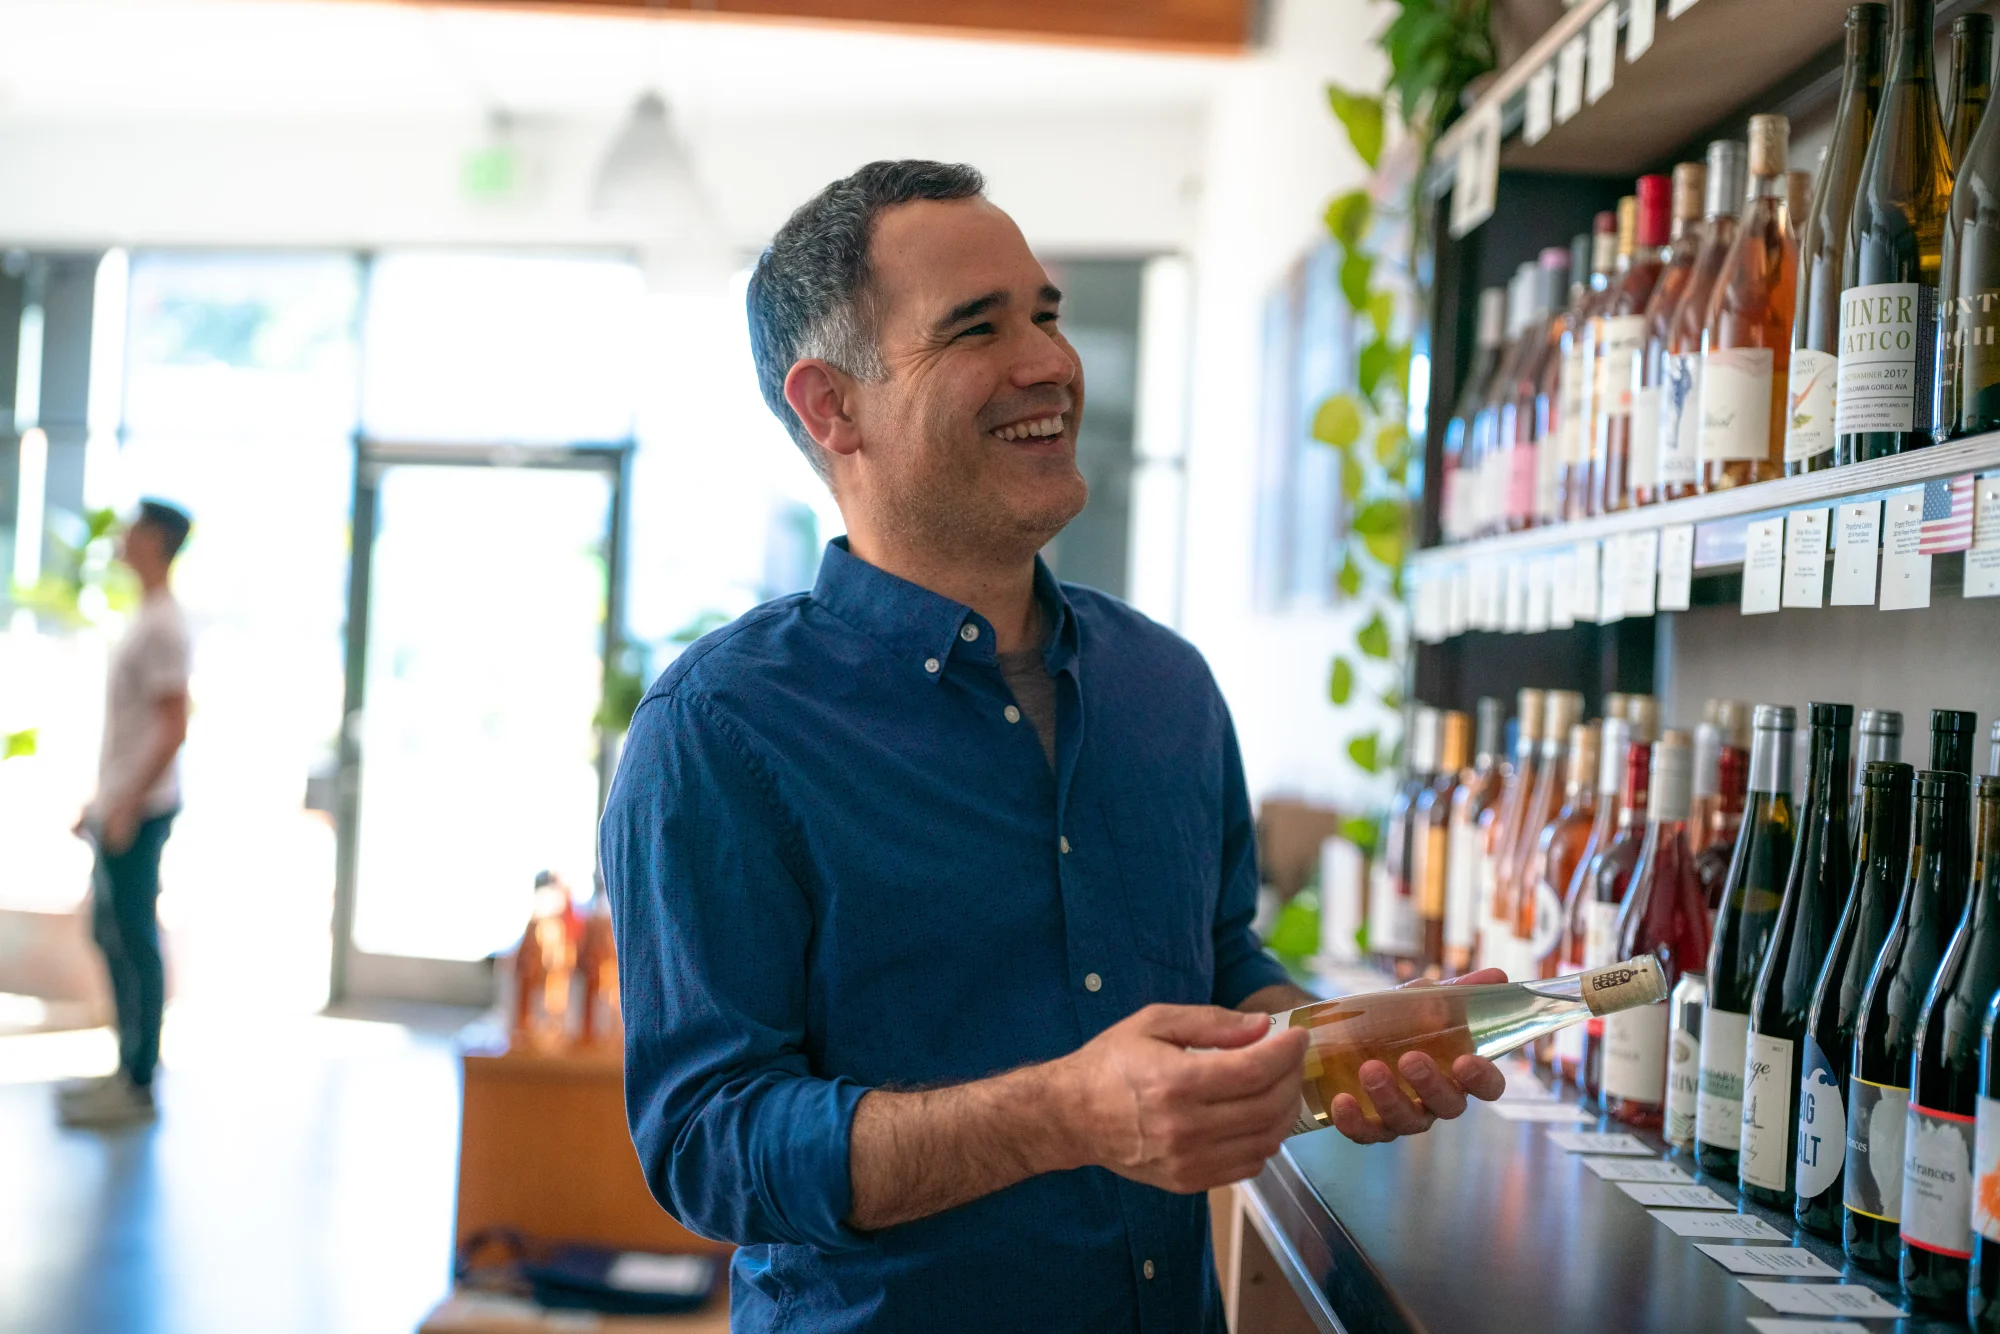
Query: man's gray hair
[(808, 293)]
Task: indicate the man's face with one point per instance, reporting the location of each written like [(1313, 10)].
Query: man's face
[(969, 443), (140, 547)]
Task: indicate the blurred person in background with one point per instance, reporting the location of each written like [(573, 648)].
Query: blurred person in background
[(138, 795), (933, 885)]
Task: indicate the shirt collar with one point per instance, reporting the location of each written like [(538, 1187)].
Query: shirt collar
[(928, 630)]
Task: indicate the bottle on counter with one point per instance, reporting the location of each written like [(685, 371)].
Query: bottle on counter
[(1968, 370), (1746, 344), (1455, 506), (1680, 375), (1394, 943), (1752, 892), (1722, 811), (1878, 1091), (1446, 1023), (1816, 890), (1643, 467), (1881, 865), (1496, 921), (1684, 1059), (1609, 881), (1945, 1087), (1664, 916), (1580, 905), (1809, 437), (1474, 803), (1433, 835), (1971, 82), (599, 1020), (1621, 348), (1517, 881), (1553, 862), (1889, 276), (1604, 255)]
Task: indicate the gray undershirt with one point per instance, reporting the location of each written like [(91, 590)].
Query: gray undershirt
[(1034, 692)]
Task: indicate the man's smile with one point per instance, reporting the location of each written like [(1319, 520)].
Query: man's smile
[(1032, 428)]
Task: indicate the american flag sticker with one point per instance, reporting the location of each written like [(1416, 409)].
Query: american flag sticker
[(1947, 516)]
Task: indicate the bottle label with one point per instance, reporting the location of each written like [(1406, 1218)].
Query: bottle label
[(1600, 937), (1986, 1166), (1966, 357), (1680, 419), (1822, 1124), (1635, 1054), (1569, 1046), (1769, 1077), (1736, 403), (1548, 474), (1719, 1105), (1461, 893), (1618, 364), (1885, 330), (1521, 480), (1381, 907), (1683, 1086), (1875, 1116), (1642, 469), (1548, 926), (1569, 425), (1937, 1182), (1809, 404), (1431, 883)]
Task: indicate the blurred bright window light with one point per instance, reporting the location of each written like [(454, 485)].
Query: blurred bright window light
[(500, 349)]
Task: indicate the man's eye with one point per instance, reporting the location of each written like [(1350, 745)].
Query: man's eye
[(1046, 317), (980, 329)]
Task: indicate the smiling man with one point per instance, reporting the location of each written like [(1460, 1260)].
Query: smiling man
[(933, 885)]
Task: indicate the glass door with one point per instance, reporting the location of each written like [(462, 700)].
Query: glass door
[(482, 603)]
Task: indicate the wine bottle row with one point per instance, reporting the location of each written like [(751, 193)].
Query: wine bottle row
[(1741, 321)]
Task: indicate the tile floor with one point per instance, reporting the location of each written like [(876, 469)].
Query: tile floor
[(299, 1180)]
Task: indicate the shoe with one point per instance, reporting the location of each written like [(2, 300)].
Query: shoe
[(116, 1103), (78, 1088)]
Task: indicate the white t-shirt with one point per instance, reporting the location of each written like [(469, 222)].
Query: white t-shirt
[(150, 663)]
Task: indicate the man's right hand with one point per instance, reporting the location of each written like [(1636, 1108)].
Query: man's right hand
[(1137, 1100)]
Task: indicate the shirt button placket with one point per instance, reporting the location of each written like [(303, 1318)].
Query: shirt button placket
[(1012, 714), (1147, 1269), (968, 632), (1092, 982)]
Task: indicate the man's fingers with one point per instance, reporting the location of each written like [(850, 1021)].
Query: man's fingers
[(1479, 1077), (1202, 1025), (1398, 1113), (1345, 1111), (1481, 977), (1246, 1072), (1443, 1097)]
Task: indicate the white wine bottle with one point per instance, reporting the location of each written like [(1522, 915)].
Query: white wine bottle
[(1447, 1022)]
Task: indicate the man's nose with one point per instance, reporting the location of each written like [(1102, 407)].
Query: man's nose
[(1044, 359)]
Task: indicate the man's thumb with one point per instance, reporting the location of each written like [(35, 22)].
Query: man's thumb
[(1208, 1026)]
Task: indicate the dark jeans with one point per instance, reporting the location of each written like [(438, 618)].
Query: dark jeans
[(127, 887)]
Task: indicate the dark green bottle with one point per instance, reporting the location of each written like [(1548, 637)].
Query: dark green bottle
[(1816, 887), (1983, 1293), (1881, 865), (1885, 1041), (1944, 1096), (1751, 896)]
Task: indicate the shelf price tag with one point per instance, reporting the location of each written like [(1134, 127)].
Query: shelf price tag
[(1611, 582), (1539, 113), (1476, 187), (1514, 606), (1639, 30), (1583, 592), (1540, 570), (1569, 79), (1857, 534), (1599, 1141), (1602, 58), (1822, 1299), (1805, 557), (1642, 568), (1701, 1223), (1673, 1196), (1788, 1261), (1676, 8), (1562, 587), (1763, 565), (1636, 1169), (1458, 606), (1906, 570), (1768, 1324), (1676, 566), (1982, 559)]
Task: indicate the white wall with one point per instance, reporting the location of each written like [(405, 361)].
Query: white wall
[(1274, 156)]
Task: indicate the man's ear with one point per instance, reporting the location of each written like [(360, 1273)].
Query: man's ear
[(818, 391)]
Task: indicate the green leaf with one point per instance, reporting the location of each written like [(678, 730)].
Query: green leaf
[(1379, 516), (1392, 700), (1362, 117), (1352, 479), (1385, 547), (1338, 421), (1362, 751), (1373, 638), (1347, 217), (1357, 271), (1369, 368), (1348, 580), (1295, 935), (1360, 831), (1382, 312), (18, 745), (1388, 440), (1341, 688)]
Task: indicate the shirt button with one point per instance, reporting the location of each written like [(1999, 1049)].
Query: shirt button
[(1092, 982), (968, 632), (1013, 714), (1147, 1269), (931, 665), (1063, 843)]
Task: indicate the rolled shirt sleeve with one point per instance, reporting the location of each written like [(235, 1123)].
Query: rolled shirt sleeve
[(740, 1139), (1242, 966)]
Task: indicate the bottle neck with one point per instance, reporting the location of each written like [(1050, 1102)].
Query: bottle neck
[(1885, 829), (1911, 57), (1986, 857), (1826, 775)]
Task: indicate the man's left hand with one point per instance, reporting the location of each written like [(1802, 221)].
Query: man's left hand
[(1440, 1095), (119, 828)]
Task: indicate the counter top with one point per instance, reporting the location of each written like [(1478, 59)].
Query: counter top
[(1486, 1224)]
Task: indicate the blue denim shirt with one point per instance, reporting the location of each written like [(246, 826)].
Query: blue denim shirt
[(838, 865)]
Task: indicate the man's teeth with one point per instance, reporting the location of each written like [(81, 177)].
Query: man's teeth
[(1021, 431)]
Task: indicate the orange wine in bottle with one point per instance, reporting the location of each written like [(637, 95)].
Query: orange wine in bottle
[(1680, 374), (1456, 516), (1643, 467), (1621, 347), (1572, 1045), (1496, 920), (1473, 806), (1563, 709), (1433, 828), (1575, 484)]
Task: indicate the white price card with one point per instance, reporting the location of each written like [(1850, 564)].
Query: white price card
[(1789, 1261), (1562, 587), (1611, 582), (1699, 1223), (1639, 29), (1671, 1196), (1906, 570), (1765, 1324), (1485, 578), (1763, 565), (1540, 594), (1822, 1299), (1602, 59), (1458, 618), (1857, 534), (1522, 1086), (1805, 557), (1539, 113), (1583, 598), (1516, 619), (1541, 1111), (1982, 559), (1642, 569), (1476, 186), (1676, 566), (1636, 1169), (1569, 79), (1676, 8), (1599, 1141)]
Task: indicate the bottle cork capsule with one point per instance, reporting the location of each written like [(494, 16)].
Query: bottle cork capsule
[(1690, 184), (1798, 196), (1628, 224), (1770, 141), (1624, 986)]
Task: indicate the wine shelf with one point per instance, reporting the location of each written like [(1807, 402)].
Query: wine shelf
[(1721, 517)]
